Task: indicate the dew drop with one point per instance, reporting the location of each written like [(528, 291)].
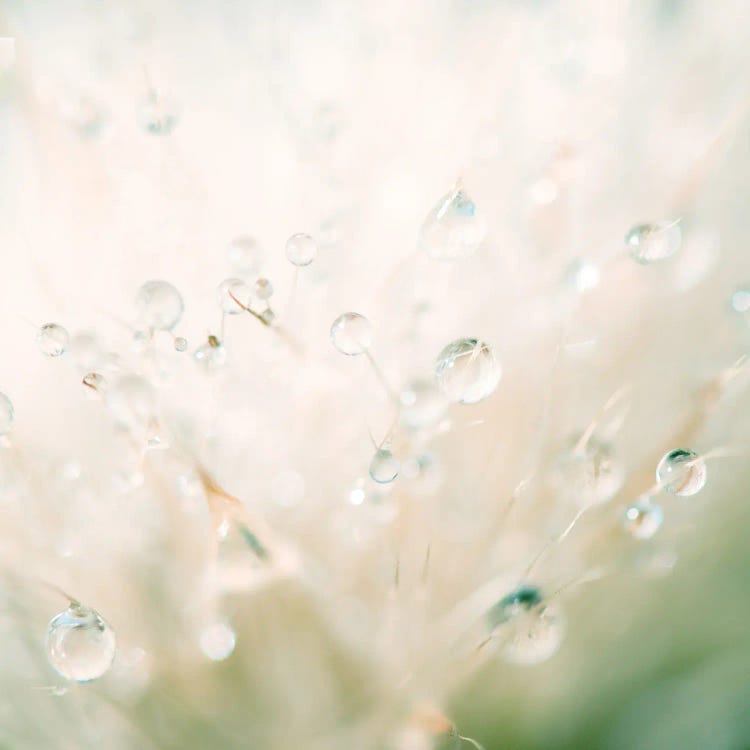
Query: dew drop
[(158, 113), (159, 306), (648, 243), (52, 339), (643, 519), (384, 466), (467, 371), (80, 644), (351, 333), (263, 289), (581, 276), (244, 255), (740, 300), (212, 355), (587, 474), (422, 404), (454, 228), (268, 316), (94, 383), (523, 599), (180, 344), (301, 249), (6, 414), (537, 636), (681, 472), (218, 641), (232, 295)]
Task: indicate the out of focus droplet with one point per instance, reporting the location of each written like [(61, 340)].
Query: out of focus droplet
[(159, 306), (422, 404), (454, 228), (6, 414), (581, 276), (681, 472), (384, 466), (301, 249), (233, 296), (536, 637), (244, 255), (263, 289), (643, 519), (740, 300), (180, 344), (351, 333), (218, 641), (523, 599), (81, 645), (52, 339), (467, 371), (648, 243), (94, 383), (212, 355), (158, 113)]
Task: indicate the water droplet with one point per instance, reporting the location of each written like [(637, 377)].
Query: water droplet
[(537, 635), (454, 228), (86, 116), (158, 113), (244, 255), (384, 466), (467, 371), (232, 295), (94, 383), (268, 316), (7, 414), (681, 472), (80, 644), (648, 243), (212, 355), (85, 350), (180, 344), (52, 339), (422, 404), (581, 276), (301, 249), (218, 641), (587, 474), (159, 306), (643, 519), (740, 300), (263, 289), (523, 599), (351, 333)]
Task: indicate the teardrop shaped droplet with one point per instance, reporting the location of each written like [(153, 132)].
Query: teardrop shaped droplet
[(454, 228)]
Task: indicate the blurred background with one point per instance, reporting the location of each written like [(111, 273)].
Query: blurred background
[(138, 140)]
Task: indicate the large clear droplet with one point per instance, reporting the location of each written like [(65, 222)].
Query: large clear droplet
[(301, 249), (159, 306), (384, 466), (740, 300), (233, 296), (466, 371), (536, 637), (681, 472), (81, 645), (643, 519), (523, 599), (454, 228), (52, 339), (6, 414), (351, 333), (587, 473), (648, 243)]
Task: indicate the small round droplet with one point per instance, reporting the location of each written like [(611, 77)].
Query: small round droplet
[(681, 472), (81, 645), (581, 276), (212, 355), (263, 289), (587, 474), (740, 300), (648, 243), (233, 296), (454, 228), (180, 344), (159, 306), (422, 404), (467, 371), (301, 250), (218, 641), (244, 255), (158, 113), (268, 316), (643, 519), (94, 383), (536, 637), (52, 339), (6, 414), (351, 333), (384, 466)]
